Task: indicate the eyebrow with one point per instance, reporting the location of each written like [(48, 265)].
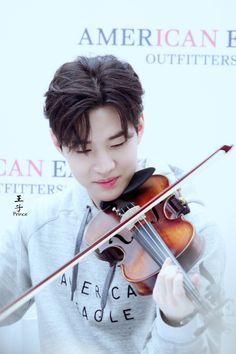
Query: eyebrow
[(115, 136)]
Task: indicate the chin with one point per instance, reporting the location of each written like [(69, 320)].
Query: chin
[(111, 195)]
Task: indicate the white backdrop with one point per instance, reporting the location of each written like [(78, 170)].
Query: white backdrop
[(185, 55)]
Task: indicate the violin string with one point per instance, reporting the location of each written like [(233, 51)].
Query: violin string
[(162, 251), (146, 242), (192, 291)]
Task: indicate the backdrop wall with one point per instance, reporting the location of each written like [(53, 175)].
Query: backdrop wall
[(185, 55)]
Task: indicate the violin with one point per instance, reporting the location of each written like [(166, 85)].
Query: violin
[(156, 229), (142, 248)]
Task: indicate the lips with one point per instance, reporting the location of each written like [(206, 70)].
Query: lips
[(107, 182)]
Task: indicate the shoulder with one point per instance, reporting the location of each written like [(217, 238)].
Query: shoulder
[(173, 173), (161, 167), (56, 209)]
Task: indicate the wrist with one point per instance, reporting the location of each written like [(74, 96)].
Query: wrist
[(177, 323)]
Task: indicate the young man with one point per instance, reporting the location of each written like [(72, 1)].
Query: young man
[(94, 107)]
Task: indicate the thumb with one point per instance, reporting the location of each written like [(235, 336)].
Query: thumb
[(167, 262), (196, 280)]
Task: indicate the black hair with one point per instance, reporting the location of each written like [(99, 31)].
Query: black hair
[(87, 83)]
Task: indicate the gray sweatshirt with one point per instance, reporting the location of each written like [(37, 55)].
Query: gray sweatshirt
[(129, 323)]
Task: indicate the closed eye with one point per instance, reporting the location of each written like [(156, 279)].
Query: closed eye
[(117, 145), (83, 151)]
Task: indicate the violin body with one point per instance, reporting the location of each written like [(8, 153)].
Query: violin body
[(139, 264)]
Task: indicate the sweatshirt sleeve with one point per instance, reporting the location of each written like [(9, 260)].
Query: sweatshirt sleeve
[(14, 271), (166, 339)]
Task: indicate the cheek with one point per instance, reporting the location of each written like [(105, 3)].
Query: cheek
[(78, 169), (129, 155)]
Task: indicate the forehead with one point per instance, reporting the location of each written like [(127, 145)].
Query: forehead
[(104, 123)]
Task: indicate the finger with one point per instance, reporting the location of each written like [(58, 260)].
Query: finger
[(167, 263), (160, 286), (196, 280), (159, 290), (171, 275), (178, 286)]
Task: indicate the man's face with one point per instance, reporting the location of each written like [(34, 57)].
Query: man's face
[(109, 161)]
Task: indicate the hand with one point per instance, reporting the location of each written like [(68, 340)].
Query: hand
[(170, 295)]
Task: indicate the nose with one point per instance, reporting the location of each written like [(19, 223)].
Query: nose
[(104, 164)]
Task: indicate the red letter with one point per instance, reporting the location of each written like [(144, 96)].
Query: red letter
[(211, 40), (3, 173), (167, 38), (38, 170), (159, 37), (189, 38), (15, 168)]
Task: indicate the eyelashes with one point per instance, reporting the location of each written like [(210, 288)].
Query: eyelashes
[(117, 145), (89, 150)]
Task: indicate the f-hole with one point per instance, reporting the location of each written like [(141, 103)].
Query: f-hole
[(156, 215)]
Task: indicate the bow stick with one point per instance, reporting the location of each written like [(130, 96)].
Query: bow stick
[(34, 290)]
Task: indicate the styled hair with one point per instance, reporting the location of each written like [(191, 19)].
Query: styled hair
[(87, 83)]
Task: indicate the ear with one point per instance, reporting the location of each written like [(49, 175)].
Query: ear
[(140, 127), (55, 141)]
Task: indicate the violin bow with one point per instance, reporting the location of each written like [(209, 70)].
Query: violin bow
[(34, 290)]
